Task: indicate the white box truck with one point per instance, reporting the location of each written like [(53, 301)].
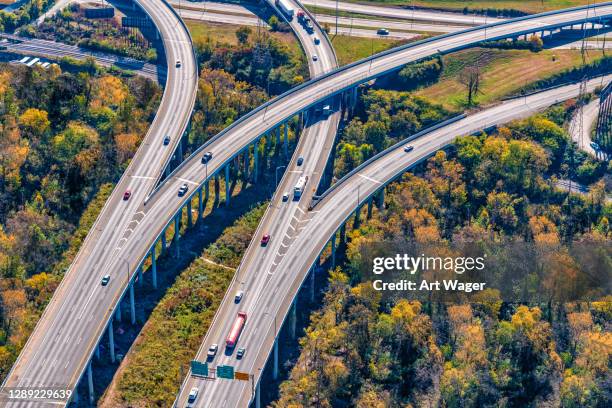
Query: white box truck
[(286, 8), (299, 188)]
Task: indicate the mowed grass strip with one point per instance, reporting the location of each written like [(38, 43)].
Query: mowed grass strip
[(226, 34), (527, 6), (350, 49), (502, 73)]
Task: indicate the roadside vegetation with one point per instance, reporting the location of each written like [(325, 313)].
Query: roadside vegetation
[(383, 118), (9, 21), (369, 351), (64, 139), (70, 26), (271, 61)]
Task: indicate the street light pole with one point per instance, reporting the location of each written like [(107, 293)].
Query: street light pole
[(276, 175), (128, 270)]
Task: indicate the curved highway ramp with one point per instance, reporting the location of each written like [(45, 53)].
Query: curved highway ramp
[(59, 349)]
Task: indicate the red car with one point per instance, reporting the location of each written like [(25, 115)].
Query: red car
[(265, 239), (127, 195)]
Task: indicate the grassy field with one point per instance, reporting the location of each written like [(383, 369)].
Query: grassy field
[(528, 6), (349, 49), (226, 33), (503, 72)]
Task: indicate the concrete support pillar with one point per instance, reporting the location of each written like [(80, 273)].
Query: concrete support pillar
[(75, 395), (200, 205), (343, 233), (333, 251), (90, 383), (217, 187), (381, 199), (206, 191), (275, 368), (255, 160), (245, 164), (227, 184), (293, 319), (97, 351), (189, 215), (370, 204), (140, 280), (286, 140), (132, 305), (357, 218), (118, 312), (179, 154), (177, 233), (278, 138), (167, 171), (111, 341), (264, 145), (154, 267), (257, 397), (163, 241)]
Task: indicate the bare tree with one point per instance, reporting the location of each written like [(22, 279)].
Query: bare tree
[(470, 77)]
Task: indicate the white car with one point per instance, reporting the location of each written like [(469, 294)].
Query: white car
[(212, 350), (238, 296), (286, 196), (193, 395), (315, 58)]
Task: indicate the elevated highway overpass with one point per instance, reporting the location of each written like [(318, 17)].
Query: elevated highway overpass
[(80, 311), (59, 349), (263, 294), (274, 303)]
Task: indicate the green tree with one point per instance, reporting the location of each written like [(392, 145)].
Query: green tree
[(242, 34)]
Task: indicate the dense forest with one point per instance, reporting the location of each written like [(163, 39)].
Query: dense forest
[(364, 351), (258, 58), (64, 139)]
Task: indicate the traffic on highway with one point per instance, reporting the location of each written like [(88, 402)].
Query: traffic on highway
[(348, 133)]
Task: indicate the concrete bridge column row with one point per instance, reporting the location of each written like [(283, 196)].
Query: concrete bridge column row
[(203, 196)]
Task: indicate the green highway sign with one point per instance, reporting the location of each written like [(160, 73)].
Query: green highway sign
[(198, 368), (225, 372)]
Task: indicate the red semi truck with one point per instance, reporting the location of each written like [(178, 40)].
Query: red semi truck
[(236, 329)]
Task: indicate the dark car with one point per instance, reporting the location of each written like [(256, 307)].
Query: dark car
[(300, 160), (127, 195), (265, 239), (382, 31), (166, 140), (105, 280), (408, 149), (240, 353), (183, 190), (206, 157)]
